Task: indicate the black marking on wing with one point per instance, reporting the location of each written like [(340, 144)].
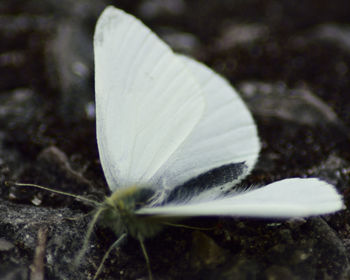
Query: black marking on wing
[(213, 178), (141, 197)]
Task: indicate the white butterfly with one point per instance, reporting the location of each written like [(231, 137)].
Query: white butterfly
[(174, 138)]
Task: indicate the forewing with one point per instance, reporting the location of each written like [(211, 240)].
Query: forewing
[(287, 198), (226, 136), (147, 102)]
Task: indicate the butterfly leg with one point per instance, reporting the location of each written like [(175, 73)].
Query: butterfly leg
[(113, 246), (146, 257)]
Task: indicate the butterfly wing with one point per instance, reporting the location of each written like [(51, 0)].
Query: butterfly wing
[(147, 102), (225, 136), (287, 198)]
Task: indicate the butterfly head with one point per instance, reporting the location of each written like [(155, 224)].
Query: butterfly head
[(119, 212)]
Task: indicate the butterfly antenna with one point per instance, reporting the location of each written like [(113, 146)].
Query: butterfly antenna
[(114, 245), (146, 258), (87, 236), (81, 216), (93, 202), (187, 227)]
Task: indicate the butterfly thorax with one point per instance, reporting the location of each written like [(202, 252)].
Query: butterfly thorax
[(119, 213)]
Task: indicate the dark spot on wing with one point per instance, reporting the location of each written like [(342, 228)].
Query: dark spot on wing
[(141, 197), (213, 178)]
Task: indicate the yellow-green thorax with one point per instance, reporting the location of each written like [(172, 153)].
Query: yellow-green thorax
[(118, 213)]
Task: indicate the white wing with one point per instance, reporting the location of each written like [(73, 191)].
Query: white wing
[(226, 133), (147, 102), (287, 198)]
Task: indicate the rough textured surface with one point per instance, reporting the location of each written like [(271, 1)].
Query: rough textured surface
[(289, 59)]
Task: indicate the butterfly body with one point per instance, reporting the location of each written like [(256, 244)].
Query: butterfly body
[(174, 138), (119, 213)]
